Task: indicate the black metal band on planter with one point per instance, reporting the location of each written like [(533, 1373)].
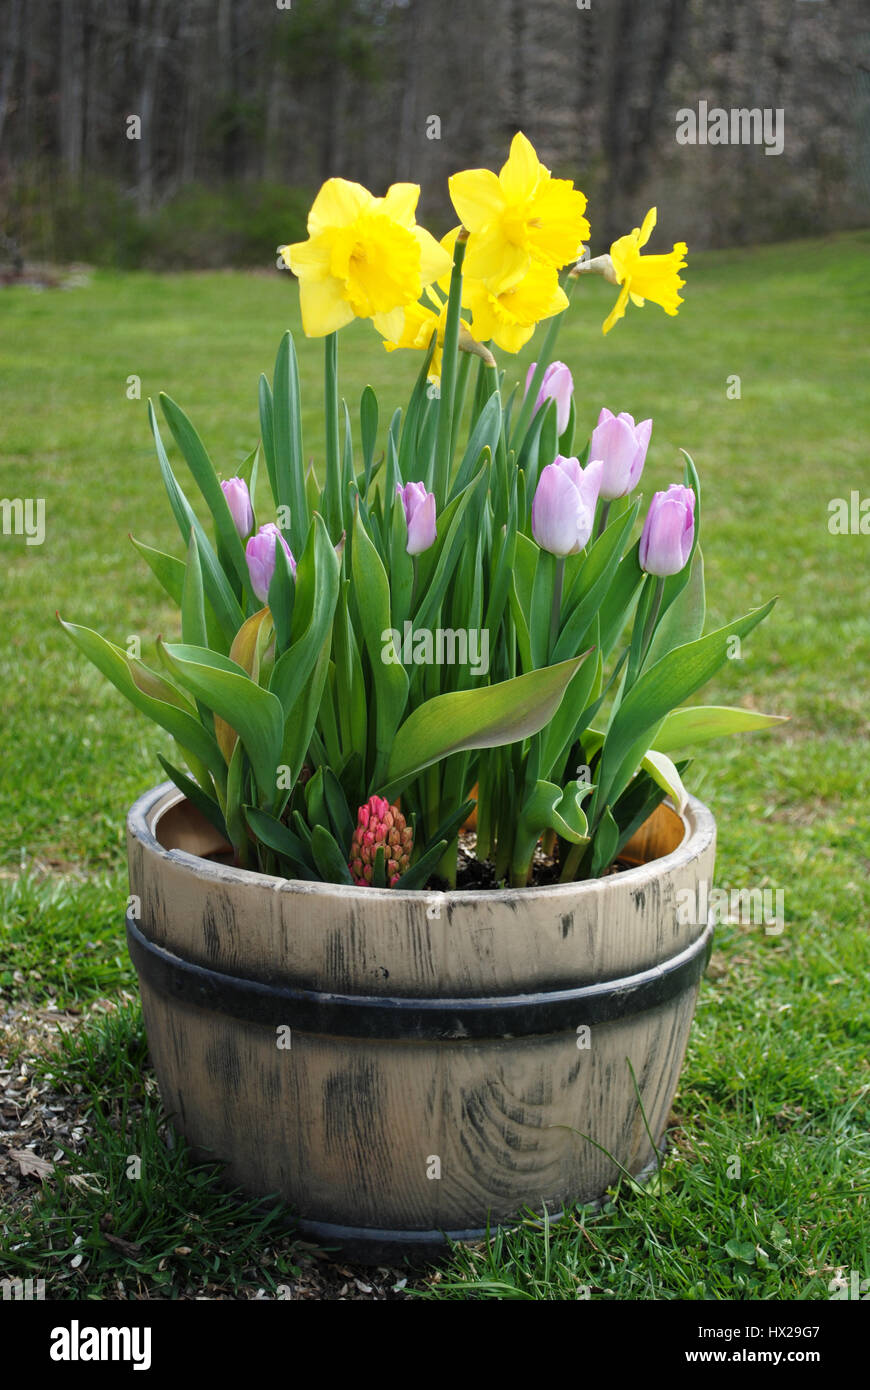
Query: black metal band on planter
[(374, 1016)]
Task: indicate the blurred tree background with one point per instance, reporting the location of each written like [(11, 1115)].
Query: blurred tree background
[(244, 106)]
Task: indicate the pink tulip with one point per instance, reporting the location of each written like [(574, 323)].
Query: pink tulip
[(260, 555), (419, 508), (558, 386), (563, 510), (668, 531), (235, 490), (622, 445)]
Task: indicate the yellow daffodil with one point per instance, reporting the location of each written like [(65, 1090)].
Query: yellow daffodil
[(419, 322), (644, 277), (518, 218), (364, 256), (510, 316)]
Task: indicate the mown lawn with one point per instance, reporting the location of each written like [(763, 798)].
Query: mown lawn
[(777, 1071)]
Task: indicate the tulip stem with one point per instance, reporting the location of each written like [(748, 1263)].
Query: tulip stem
[(602, 520), (651, 621), (556, 610)]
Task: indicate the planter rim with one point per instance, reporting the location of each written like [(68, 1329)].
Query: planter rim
[(698, 822)]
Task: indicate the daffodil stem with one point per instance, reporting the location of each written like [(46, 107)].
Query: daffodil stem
[(449, 355), (333, 489), (545, 357)]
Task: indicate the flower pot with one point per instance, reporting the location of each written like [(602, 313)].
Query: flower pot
[(401, 1066)]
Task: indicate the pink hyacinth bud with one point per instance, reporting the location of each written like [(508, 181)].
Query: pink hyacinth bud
[(260, 555), (419, 508), (668, 532), (379, 823), (622, 446)]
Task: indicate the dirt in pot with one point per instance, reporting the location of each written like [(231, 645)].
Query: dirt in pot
[(475, 875)]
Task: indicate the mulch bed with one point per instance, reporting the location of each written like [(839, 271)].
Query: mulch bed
[(41, 1125)]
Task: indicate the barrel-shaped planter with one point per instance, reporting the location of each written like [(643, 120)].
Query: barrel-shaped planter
[(404, 1066)]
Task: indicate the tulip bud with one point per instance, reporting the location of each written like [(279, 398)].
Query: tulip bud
[(260, 555), (235, 490), (668, 531), (563, 510), (622, 445), (419, 508), (558, 386)]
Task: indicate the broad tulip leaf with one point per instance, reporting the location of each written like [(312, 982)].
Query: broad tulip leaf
[(328, 857), (666, 776), (487, 717), (658, 691), (246, 652), (206, 805), (685, 727), (316, 592), (255, 714), (117, 667)]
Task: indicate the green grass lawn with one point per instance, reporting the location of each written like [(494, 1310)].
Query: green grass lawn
[(777, 1071)]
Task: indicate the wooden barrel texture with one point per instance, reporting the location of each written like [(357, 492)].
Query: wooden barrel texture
[(403, 1066)]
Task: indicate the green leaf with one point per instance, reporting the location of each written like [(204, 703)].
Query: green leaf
[(483, 718), (390, 678), (416, 877), (658, 691), (224, 602), (117, 667), (548, 807), (254, 713), (206, 805), (206, 480), (683, 728), (684, 621), (274, 834), (193, 629), (267, 434), (662, 771), (368, 423), (287, 442), (606, 844), (328, 857), (168, 570)]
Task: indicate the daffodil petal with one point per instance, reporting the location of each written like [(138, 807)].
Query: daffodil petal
[(617, 311), (435, 262), (400, 202), (520, 174), (338, 204), (311, 257), (324, 307), (647, 229), (500, 263), (477, 197)]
